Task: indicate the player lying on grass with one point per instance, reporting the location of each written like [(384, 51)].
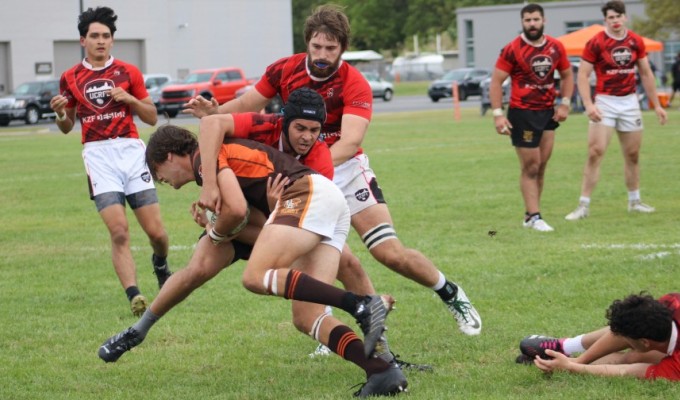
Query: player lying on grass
[(641, 341), (306, 231)]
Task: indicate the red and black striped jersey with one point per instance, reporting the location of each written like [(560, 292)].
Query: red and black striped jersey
[(345, 92), (268, 128), (614, 62), (252, 163), (89, 91), (532, 71)]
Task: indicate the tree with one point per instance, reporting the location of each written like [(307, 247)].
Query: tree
[(663, 19)]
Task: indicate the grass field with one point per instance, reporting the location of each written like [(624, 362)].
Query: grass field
[(448, 184)]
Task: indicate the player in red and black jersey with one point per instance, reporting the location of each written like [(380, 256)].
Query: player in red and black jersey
[(103, 93), (531, 61), (349, 104), (641, 340), (614, 55)]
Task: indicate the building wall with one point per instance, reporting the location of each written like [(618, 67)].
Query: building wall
[(494, 26), (160, 36)]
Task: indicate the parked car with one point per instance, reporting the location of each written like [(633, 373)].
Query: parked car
[(486, 102), (469, 80), (30, 101), (380, 87), (274, 106), (154, 85), (219, 83)]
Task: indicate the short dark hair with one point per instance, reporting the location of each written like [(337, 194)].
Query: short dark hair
[(640, 317), (531, 8), (330, 20), (168, 139), (103, 15), (615, 5)]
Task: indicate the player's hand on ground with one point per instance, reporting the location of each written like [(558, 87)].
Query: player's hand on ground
[(593, 113), (559, 362), (503, 126), (275, 189), (199, 106)]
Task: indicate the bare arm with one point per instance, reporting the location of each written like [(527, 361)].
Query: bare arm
[(583, 84), (58, 104), (250, 101), (564, 363), (649, 83), (566, 90), (212, 131), (607, 344), (353, 132), (233, 218), (496, 98)]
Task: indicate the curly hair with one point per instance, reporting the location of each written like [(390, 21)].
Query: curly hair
[(640, 317), (330, 20), (168, 139), (103, 15), (531, 8)]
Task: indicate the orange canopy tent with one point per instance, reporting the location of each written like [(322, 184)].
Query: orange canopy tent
[(575, 42)]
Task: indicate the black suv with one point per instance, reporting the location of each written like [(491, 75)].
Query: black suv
[(30, 102), (468, 79)]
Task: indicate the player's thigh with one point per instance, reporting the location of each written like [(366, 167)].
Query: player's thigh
[(114, 218), (599, 136), (278, 246), (630, 142), (149, 218), (371, 217)]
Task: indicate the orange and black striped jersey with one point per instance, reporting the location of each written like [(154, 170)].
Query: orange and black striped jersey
[(253, 163)]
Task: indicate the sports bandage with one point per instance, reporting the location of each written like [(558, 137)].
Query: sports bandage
[(216, 237), (378, 235), (497, 112), (270, 282), (316, 326)]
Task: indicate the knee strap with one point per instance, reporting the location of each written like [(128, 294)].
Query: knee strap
[(270, 282), (316, 326), (378, 234)]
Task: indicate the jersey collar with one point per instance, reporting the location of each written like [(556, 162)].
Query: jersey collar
[(529, 42), (90, 67), (625, 33)]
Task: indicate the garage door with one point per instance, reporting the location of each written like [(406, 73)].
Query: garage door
[(4, 68)]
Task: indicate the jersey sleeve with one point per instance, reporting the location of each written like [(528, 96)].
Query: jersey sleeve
[(590, 50), (667, 368), (563, 62), (505, 60), (358, 96), (65, 90), (269, 84), (137, 87), (320, 160)]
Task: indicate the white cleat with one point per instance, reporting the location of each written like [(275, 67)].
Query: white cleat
[(538, 224), (580, 212), (638, 206)]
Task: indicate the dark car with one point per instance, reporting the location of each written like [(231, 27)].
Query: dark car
[(274, 106), (30, 101), (469, 80)]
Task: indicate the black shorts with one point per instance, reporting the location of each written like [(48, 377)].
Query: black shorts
[(528, 126), (676, 85), (241, 250)]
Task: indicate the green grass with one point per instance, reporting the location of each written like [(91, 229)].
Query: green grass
[(447, 183), (411, 88)]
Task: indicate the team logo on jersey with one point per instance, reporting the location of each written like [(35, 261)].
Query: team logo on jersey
[(541, 65), (528, 136), (362, 194), (290, 206), (97, 92), (146, 176), (622, 55), (329, 93)]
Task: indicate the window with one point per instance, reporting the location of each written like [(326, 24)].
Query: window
[(469, 43)]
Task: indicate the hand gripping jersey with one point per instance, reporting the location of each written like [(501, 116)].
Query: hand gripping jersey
[(614, 62), (267, 129), (345, 92), (88, 90), (252, 163), (532, 71), (669, 367)]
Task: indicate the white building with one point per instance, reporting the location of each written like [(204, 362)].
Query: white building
[(39, 39)]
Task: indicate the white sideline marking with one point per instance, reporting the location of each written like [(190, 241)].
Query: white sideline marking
[(640, 246), (140, 248)]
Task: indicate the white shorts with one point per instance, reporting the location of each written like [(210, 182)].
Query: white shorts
[(358, 184), (117, 165), (620, 112), (315, 204)]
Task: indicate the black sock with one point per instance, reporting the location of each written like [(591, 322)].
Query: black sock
[(349, 302), (448, 292), (158, 262), (528, 216), (131, 292)]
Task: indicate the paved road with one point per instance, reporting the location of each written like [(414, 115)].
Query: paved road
[(397, 104)]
